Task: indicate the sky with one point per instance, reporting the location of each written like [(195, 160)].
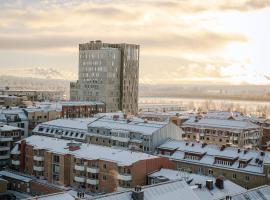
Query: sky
[(181, 41)]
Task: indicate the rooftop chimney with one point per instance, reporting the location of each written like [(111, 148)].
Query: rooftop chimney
[(222, 148), (137, 193), (220, 182), (210, 184)]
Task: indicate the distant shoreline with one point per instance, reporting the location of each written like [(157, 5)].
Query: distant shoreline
[(267, 100)]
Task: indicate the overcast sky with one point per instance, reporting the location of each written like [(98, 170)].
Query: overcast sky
[(182, 41)]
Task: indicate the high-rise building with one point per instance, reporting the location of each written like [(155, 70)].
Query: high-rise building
[(108, 73)]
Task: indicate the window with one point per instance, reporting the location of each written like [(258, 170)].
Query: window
[(104, 178), (104, 166), (56, 159), (234, 176), (210, 172), (247, 178)]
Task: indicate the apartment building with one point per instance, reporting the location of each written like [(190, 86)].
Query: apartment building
[(15, 117), (222, 131), (8, 135), (247, 168), (133, 134), (22, 183), (9, 101), (86, 166), (37, 115), (82, 109), (108, 73), (210, 187)]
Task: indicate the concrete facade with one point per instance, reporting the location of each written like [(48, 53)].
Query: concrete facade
[(108, 73)]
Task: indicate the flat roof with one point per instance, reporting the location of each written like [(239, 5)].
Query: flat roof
[(15, 176), (220, 123)]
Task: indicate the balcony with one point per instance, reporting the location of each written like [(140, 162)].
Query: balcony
[(93, 170), (4, 157), (38, 168), (92, 181), (79, 167), (4, 148), (79, 179), (15, 162), (39, 158), (125, 177)]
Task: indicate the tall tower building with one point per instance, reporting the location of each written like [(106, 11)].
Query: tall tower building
[(108, 73)]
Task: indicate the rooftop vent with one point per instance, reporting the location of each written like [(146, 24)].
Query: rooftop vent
[(137, 193), (239, 150), (262, 153), (186, 143), (210, 184), (192, 144), (245, 151), (73, 146)]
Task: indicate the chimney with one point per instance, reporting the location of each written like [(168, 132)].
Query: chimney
[(222, 148), (220, 182), (228, 197), (203, 145), (210, 184), (137, 193)]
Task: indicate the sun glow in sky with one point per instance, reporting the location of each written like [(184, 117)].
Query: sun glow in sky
[(194, 41)]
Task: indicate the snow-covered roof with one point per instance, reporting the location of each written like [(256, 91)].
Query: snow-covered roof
[(234, 115), (15, 176), (77, 123), (15, 150), (55, 196), (138, 126), (8, 128), (88, 151), (219, 123), (13, 111), (260, 193), (210, 152), (169, 190), (230, 188)]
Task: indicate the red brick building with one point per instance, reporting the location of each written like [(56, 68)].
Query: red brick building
[(89, 167), (82, 109)]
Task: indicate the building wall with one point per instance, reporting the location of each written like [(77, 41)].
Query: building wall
[(82, 111), (170, 130), (107, 174), (37, 188), (255, 180)]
